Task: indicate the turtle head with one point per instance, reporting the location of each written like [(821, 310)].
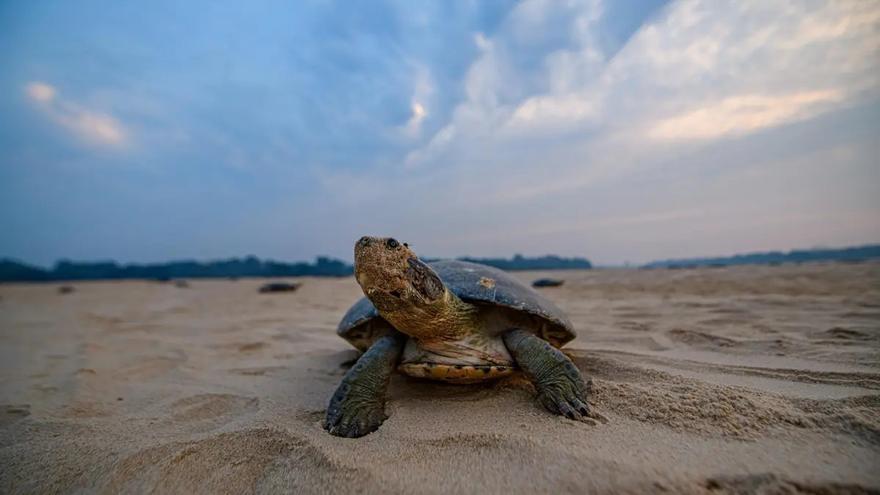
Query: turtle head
[(393, 277)]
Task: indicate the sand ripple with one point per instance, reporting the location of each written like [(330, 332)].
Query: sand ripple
[(262, 460)]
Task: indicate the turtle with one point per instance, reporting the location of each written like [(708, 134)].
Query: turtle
[(449, 320)]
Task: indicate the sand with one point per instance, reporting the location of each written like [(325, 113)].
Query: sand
[(725, 380)]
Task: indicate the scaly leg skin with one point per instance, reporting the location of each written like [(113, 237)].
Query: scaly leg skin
[(560, 386), (358, 405)]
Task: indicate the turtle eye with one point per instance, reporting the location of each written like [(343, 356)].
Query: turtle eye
[(405, 245), (392, 243)]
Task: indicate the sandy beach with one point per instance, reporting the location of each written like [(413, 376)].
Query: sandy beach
[(714, 380)]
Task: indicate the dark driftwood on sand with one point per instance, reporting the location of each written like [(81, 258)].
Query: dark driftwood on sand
[(547, 282), (279, 287)]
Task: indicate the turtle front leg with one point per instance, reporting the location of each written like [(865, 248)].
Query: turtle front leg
[(358, 405), (560, 386)]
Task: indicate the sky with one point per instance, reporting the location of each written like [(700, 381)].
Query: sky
[(622, 131)]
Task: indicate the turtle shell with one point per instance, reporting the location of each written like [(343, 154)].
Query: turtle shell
[(473, 283)]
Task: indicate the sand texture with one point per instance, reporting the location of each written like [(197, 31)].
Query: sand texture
[(716, 380)]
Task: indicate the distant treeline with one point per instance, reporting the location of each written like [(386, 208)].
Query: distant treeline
[(251, 266), (853, 254)]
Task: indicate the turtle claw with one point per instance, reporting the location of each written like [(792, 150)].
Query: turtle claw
[(353, 424), (566, 401), (581, 406), (352, 418), (567, 411)]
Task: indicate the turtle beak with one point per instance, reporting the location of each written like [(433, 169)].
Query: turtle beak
[(362, 279)]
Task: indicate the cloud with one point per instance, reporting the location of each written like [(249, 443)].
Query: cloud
[(532, 148), (543, 113), (40, 92), (743, 114), (413, 125), (94, 127), (503, 88), (98, 127), (704, 70), (423, 89)]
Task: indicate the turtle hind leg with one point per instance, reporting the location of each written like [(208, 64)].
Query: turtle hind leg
[(560, 386), (358, 405)]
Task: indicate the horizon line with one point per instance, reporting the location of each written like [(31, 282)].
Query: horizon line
[(510, 257)]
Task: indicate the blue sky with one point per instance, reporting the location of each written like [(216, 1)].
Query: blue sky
[(617, 130)]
